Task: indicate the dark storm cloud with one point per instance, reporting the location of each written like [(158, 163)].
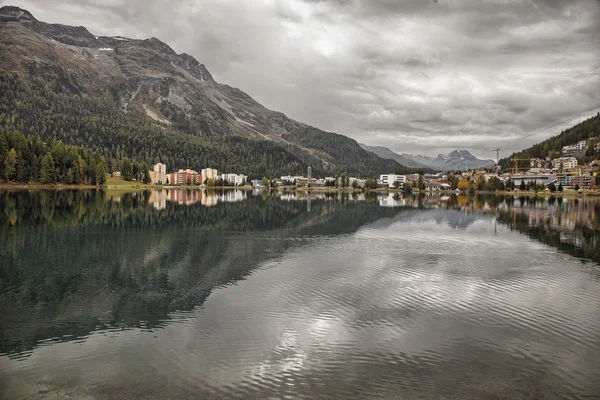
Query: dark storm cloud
[(415, 75)]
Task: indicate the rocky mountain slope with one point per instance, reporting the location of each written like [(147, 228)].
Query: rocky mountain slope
[(158, 93)]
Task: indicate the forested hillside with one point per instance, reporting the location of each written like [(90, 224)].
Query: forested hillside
[(586, 130), (34, 108), (31, 160)]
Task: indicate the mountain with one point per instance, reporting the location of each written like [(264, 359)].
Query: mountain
[(456, 160), (586, 130), (386, 153), (139, 98)]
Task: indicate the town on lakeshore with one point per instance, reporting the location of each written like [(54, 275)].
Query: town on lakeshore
[(550, 174)]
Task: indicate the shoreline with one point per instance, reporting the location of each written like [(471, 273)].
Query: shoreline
[(142, 186)]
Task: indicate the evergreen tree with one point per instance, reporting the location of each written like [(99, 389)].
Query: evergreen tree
[(10, 165), (78, 170), (560, 187), (522, 186), (48, 173), (3, 151), (136, 171), (126, 169), (70, 176), (92, 171), (100, 173), (146, 174)]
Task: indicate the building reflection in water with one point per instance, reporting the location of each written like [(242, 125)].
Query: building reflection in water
[(159, 198)]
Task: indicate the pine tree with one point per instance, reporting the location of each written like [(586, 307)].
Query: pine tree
[(3, 152), (10, 165), (70, 176), (126, 169), (78, 170), (146, 174), (48, 172), (100, 173)]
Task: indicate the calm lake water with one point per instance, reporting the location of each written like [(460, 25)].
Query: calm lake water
[(187, 294)]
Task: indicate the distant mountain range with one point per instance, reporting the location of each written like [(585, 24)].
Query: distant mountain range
[(456, 160)]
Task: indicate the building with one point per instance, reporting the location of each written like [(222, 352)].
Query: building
[(208, 173), (564, 180), (566, 163), (158, 176), (117, 174), (545, 179), (291, 180), (583, 181), (233, 179), (185, 177), (256, 182), (575, 150), (435, 185), (537, 163), (390, 179)]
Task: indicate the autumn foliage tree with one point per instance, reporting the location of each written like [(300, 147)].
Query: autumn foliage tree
[(463, 184)]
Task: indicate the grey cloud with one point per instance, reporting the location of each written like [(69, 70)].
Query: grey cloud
[(416, 76)]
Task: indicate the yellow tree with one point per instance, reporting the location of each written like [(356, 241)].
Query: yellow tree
[(463, 184)]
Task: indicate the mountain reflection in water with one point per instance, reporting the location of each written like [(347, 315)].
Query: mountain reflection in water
[(187, 293)]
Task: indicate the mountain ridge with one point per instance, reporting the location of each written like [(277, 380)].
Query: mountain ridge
[(174, 92), (455, 160)]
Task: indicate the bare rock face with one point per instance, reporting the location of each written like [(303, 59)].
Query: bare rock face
[(137, 74)]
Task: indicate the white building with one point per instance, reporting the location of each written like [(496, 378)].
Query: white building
[(208, 173), (567, 163), (234, 179), (390, 179), (289, 179), (158, 176), (574, 149)]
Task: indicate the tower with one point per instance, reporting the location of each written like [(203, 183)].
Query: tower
[(309, 176)]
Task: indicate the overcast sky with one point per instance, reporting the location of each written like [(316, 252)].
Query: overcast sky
[(417, 76)]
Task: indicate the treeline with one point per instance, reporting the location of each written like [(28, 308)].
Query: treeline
[(29, 159), (586, 130)]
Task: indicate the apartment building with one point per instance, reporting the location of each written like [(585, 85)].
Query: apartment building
[(233, 179), (208, 173), (185, 177), (390, 179), (583, 181), (158, 176), (575, 150), (566, 162)]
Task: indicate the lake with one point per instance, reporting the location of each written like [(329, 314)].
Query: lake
[(184, 294)]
